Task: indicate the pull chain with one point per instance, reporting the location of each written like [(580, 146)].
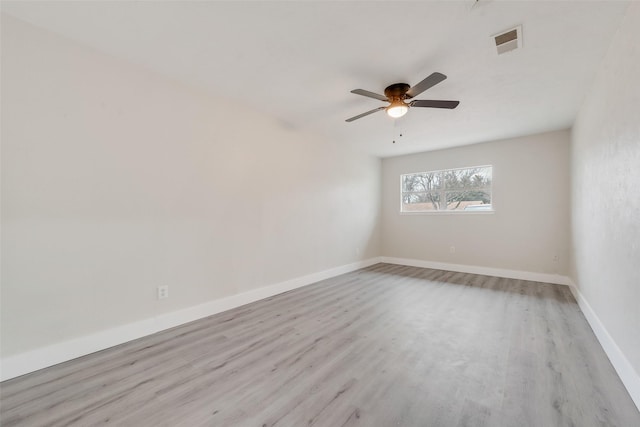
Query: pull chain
[(395, 132)]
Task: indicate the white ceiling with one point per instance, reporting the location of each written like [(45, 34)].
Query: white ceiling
[(298, 60)]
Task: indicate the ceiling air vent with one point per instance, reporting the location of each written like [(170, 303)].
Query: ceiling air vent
[(508, 40)]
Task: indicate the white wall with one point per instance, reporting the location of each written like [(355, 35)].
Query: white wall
[(605, 155), (116, 180), (530, 197)]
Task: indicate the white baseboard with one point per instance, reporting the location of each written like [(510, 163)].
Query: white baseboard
[(488, 271), (621, 364), (43, 357)]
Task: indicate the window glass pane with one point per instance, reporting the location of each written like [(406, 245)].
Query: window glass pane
[(468, 201), (463, 179), (428, 181), (420, 202)]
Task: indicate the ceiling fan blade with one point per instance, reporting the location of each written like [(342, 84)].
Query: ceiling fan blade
[(369, 94), (434, 104), (359, 116), (430, 81)]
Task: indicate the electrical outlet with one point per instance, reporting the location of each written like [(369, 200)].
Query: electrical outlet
[(357, 251), (556, 258), (163, 292), (452, 249)]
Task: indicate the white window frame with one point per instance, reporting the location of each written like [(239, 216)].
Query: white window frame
[(447, 212)]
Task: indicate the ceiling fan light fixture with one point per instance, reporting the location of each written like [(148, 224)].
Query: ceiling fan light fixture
[(397, 109)]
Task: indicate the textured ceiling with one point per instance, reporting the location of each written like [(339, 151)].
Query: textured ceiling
[(298, 61)]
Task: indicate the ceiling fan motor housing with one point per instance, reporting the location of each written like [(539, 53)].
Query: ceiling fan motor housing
[(397, 91)]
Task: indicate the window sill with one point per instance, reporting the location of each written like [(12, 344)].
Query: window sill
[(450, 213)]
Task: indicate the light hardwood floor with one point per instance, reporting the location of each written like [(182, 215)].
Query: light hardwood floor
[(384, 346)]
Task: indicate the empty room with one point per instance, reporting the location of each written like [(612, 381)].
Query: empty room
[(320, 213)]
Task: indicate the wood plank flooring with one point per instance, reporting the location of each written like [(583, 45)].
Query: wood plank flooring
[(384, 346)]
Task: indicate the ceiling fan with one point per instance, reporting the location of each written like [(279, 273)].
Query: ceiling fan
[(397, 93)]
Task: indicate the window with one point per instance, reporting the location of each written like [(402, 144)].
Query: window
[(464, 189)]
